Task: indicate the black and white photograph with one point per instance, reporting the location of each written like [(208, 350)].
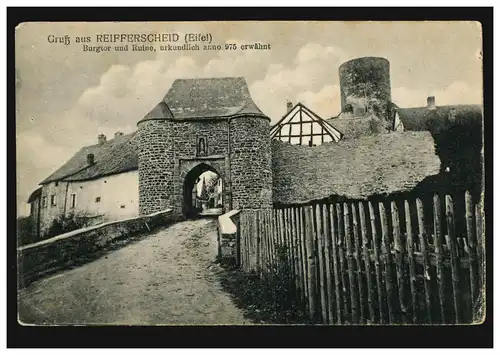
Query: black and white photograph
[(250, 173)]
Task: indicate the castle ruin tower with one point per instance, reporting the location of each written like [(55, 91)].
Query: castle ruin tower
[(365, 85)]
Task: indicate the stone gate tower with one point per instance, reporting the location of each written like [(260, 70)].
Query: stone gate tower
[(204, 125)]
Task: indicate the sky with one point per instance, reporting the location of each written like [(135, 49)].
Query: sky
[(65, 96)]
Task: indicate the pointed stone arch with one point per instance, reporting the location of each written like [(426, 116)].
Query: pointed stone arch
[(191, 169)]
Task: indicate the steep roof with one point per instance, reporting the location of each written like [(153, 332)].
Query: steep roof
[(206, 98), (303, 124), (417, 118), (35, 194), (370, 165), (112, 157)]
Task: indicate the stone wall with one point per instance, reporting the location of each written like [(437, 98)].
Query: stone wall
[(75, 247), (355, 169), (165, 149), (228, 238), (168, 152), (49, 211), (251, 171), (156, 165)]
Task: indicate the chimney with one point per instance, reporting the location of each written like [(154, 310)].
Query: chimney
[(118, 134), (431, 103), (289, 106), (90, 159), (101, 139)]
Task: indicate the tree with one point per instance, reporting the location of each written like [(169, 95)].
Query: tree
[(203, 192)]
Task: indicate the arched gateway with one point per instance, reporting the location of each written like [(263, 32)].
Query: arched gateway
[(204, 125), (189, 176)]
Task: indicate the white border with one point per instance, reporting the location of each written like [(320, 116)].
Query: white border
[(3, 156)]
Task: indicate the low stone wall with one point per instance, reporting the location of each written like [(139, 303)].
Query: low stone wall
[(65, 250), (228, 229)]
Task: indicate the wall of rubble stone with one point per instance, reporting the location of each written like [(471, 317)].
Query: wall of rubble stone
[(156, 165), (251, 170), (168, 151)]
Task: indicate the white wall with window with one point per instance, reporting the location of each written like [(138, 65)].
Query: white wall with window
[(113, 197)]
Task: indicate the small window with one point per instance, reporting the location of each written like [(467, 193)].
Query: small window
[(44, 201), (57, 183), (98, 199), (122, 206), (52, 200), (72, 201), (201, 148)]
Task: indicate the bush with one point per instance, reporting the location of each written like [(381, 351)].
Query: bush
[(25, 229), (65, 224), (268, 295)]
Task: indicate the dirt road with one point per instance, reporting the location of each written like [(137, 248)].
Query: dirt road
[(166, 278)]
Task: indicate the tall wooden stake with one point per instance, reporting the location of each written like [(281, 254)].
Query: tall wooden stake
[(425, 258)]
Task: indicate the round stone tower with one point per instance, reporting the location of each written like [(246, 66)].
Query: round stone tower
[(365, 85), (251, 170), (205, 125)]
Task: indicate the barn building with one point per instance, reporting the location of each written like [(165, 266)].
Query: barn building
[(371, 147)]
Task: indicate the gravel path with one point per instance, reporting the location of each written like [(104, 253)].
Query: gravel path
[(166, 278)]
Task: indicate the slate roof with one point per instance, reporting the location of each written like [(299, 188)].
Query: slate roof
[(114, 156), (417, 118), (206, 98), (379, 164), (35, 194)]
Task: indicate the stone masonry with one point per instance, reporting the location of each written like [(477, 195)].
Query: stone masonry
[(238, 149)]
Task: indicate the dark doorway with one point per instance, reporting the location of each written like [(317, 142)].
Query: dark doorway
[(202, 192)]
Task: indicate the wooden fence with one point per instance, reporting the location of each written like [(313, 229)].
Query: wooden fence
[(375, 262)]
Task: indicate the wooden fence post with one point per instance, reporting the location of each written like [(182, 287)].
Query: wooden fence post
[(274, 232), (258, 240), (328, 261), (265, 235), (294, 251), (481, 248), (411, 258), (366, 256), (303, 239), (450, 221), (350, 265), (298, 234), (311, 262), (398, 248), (263, 241), (472, 252), (287, 237), (386, 251), (321, 261), (438, 246), (340, 245), (270, 236), (378, 277), (281, 227), (359, 271), (265, 255), (334, 248), (244, 235), (425, 257)]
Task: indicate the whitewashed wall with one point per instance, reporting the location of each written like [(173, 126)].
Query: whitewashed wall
[(119, 196)]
